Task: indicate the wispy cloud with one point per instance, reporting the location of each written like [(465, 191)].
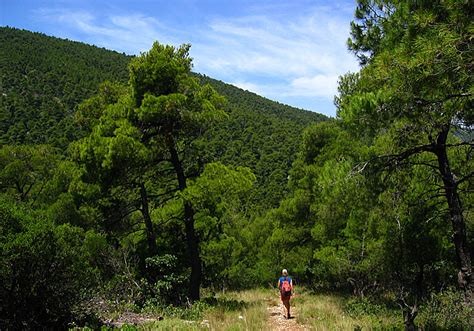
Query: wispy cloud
[(131, 34), (290, 58), (321, 85), (306, 54)]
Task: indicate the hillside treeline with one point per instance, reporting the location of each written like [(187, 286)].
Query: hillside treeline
[(159, 183)]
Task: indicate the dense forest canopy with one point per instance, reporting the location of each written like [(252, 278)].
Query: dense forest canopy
[(44, 79), (133, 179)]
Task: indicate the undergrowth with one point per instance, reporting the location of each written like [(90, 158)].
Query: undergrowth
[(247, 310)]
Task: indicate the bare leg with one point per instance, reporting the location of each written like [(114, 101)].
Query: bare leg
[(286, 303), (288, 308)]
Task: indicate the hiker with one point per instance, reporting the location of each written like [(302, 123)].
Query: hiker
[(285, 284)]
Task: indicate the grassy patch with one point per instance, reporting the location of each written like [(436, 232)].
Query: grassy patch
[(330, 312), (247, 310)]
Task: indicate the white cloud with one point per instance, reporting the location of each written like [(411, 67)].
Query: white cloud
[(132, 34), (318, 85), (293, 47), (250, 87), (282, 57), (303, 56)]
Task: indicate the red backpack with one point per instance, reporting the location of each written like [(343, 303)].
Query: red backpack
[(285, 288)]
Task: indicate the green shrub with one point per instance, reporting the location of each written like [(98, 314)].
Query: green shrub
[(363, 306), (43, 272), (446, 311), (166, 282)]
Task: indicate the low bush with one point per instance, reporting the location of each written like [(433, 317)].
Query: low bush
[(363, 306), (43, 271), (446, 311)]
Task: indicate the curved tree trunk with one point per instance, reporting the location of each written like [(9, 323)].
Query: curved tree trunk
[(191, 237), (456, 216)]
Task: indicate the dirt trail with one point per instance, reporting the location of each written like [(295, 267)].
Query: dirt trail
[(278, 322)]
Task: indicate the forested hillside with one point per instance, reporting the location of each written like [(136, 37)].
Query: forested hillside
[(44, 79), (52, 98), (157, 192)]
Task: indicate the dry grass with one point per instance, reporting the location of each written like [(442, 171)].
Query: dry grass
[(233, 311), (326, 312), (247, 310)]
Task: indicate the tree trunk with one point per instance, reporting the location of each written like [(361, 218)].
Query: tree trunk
[(419, 283), (193, 247), (409, 317), (191, 238), (456, 216), (150, 232)]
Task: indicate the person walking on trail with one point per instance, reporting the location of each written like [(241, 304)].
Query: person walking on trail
[(285, 285)]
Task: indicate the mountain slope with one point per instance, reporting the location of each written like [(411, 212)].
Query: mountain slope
[(43, 79)]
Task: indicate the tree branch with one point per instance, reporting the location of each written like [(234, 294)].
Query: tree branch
[(464, 143), (421, 164), (168, 220), (462, 180), (424, 102), (163, 194), (389, 160)]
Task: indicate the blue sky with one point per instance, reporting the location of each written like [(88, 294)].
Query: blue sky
[(290, 51)]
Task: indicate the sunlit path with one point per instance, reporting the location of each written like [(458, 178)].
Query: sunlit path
[(278, 321)]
